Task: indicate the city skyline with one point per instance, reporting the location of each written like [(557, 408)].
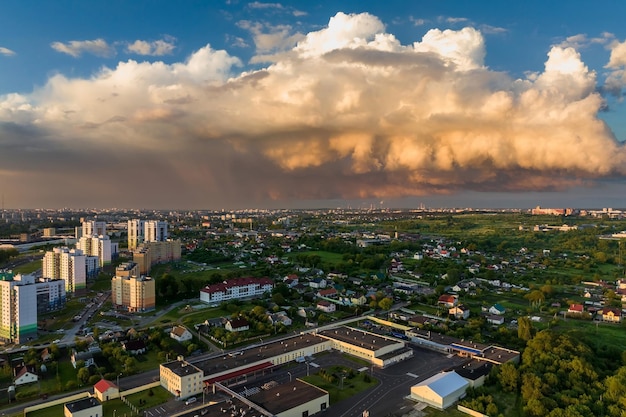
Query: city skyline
[(241, 104)]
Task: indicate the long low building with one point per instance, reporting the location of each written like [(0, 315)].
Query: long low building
[(182, 378), (235, 289)]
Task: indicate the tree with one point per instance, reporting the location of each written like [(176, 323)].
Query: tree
[(508, 377), (524, 328), (386, 303), (83, 375)]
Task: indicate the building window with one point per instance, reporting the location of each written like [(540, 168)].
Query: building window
[(305, 413)]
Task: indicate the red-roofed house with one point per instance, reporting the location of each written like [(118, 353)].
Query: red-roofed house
[(237, 325), (448, 300), (327, 292), (611, 314), (237, 288), (25, 375), (326, 306), (180, 334), (105, 390), (576, 309)]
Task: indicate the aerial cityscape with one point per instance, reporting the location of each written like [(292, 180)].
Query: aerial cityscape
[(352, 209)]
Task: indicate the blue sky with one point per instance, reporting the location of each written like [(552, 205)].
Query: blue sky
[(229, 104)]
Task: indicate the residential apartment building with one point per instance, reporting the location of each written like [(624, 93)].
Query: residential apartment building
[(152, 253), (18, 304), (235, 289), (132, 291), (67, 264), (140, 231), (100, 246), (94, 228)]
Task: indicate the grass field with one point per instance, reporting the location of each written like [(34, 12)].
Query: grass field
[(28, 268)]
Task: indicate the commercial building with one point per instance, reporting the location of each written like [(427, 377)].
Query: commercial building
[(66, 264), (235, 289), (292, 399), (441, 390), (85, 407), (132, 291)]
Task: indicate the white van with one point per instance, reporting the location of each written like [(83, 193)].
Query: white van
[(191, 400)]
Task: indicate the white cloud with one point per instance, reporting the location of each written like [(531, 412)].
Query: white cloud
[(270, 38), (155, 48), (260, 5), (97, 47), (349, 112), (6, 51)]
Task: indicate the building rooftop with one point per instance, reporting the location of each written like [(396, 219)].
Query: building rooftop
[(359, 338), (82, 404), (181, 368), (284, 397)]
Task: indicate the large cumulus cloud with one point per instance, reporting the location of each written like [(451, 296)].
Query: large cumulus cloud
[(347, 112)]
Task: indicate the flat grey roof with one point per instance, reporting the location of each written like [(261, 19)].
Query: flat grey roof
[(82, 404), (284, 397), (359, 338)]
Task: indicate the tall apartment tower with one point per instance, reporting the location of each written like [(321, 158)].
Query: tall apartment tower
[(94, 228), (140, 231), (99, 246), (131, 291), (155, 231), (67, 264), (135, 233), (18, 301)]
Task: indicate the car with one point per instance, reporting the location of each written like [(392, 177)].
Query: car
[(56, 341), (191, 400), (24, 347)]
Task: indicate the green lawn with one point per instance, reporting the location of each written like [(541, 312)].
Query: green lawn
[(28, 268), (351, 386), (159, 396)]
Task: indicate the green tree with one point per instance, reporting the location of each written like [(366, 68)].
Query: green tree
[(386, 303), (524, 328), (508, 377)]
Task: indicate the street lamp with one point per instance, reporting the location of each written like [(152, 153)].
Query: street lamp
[(289, 376), (118, 381), (114, 411)]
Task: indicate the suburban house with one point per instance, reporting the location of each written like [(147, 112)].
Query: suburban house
[(237, 325), (279, 317), (318, 283), (180, 334), (25, 375), (495, 319), (105, 390), (85, 407), (576, 309), (460, 312), (327, 292), (45, 355), (611, 314), (448, 300), (326, 306), (135, 347), (497, 309), (86, 356)]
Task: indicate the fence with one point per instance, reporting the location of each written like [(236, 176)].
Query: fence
[(470, 411), (56, 402)]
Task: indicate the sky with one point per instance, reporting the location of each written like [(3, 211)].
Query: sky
[(248, 104)]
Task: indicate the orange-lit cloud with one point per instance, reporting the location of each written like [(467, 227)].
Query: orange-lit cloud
[(344, 112)]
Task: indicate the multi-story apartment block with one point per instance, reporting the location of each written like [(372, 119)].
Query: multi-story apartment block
[(235, 289), (22, 297), (140, 231), (69, 265), (94, 228), (135, 233), (152, 253), (99, 246), (131, 291)]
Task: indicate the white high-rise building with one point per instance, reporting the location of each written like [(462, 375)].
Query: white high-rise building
[(66, 264), (94, 228), (140, 231), (18, 303), (99, 246), (135, 233), (155, 231)]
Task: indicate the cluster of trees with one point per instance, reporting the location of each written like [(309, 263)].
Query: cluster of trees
[(7, 254), (561, 376)]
